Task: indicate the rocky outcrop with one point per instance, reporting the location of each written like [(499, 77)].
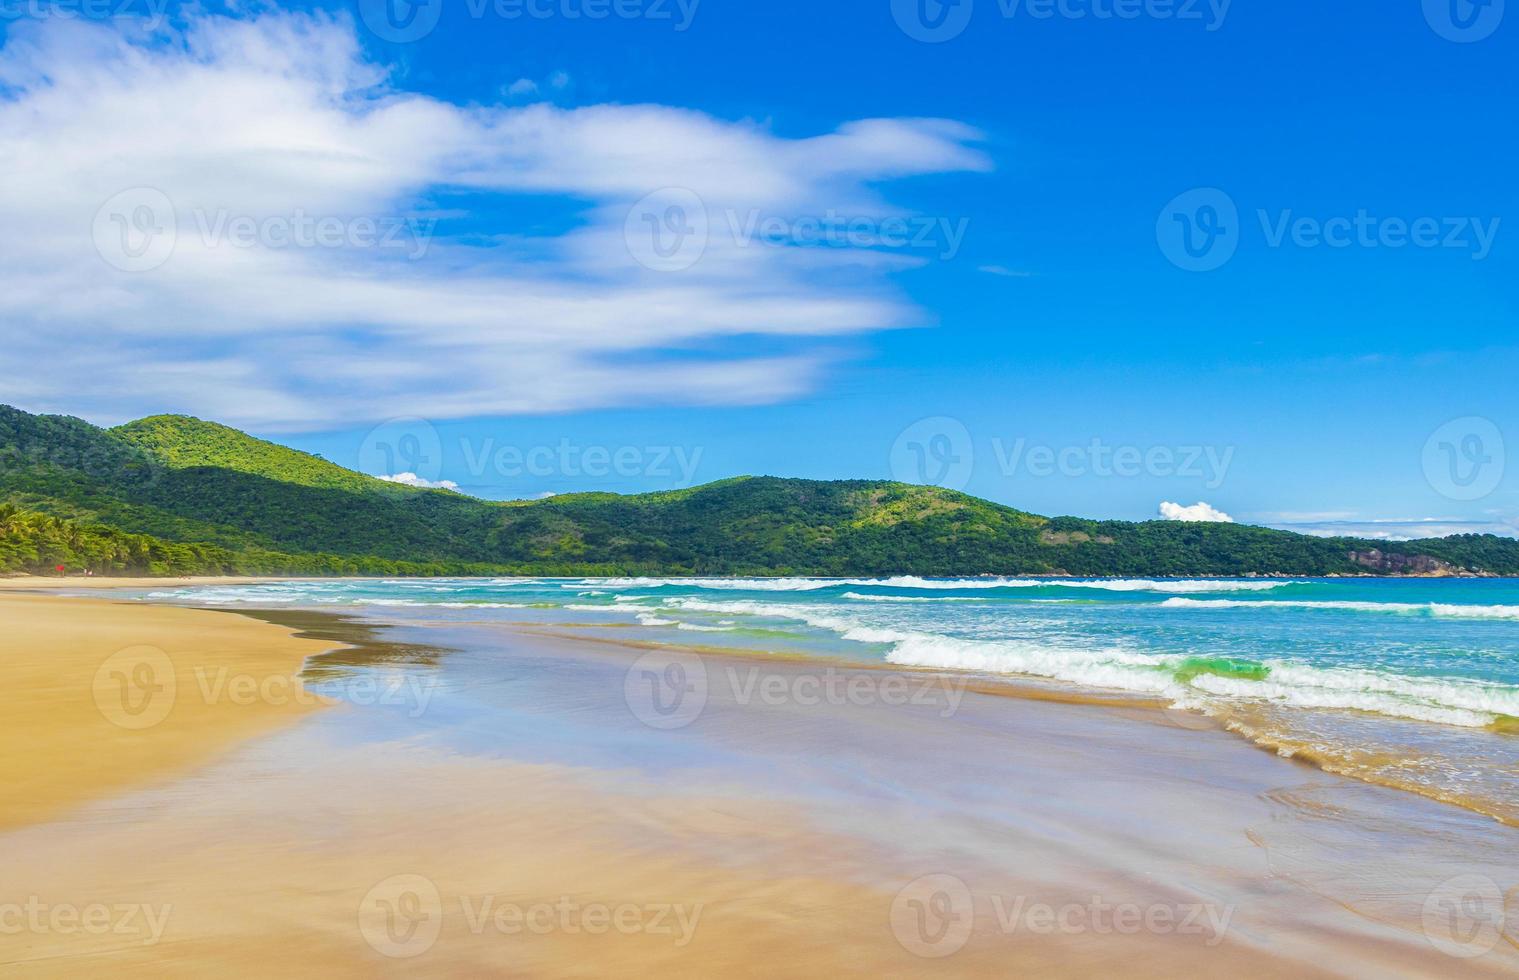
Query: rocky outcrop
[(1393, 563)]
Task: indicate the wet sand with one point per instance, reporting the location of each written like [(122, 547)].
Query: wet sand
[(520, 807)]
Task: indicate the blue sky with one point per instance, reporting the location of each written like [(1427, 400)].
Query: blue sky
[(1018, 277)]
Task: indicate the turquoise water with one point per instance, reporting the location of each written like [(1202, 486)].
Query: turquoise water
[(1413, 682), (1441, 651)]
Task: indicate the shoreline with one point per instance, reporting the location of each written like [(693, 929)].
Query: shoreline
[(53, 583), (1137, 706)]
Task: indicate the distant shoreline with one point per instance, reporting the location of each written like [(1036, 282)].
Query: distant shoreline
[(22, 583)]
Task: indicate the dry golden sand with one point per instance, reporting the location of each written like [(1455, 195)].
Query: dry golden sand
[(100, 696)]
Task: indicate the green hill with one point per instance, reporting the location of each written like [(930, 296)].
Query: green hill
[(171, 494), (182, 442)]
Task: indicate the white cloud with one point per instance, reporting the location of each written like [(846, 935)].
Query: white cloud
[(522, 86), (1004, 271), (1197, 512), (283, 116), (412, 480)]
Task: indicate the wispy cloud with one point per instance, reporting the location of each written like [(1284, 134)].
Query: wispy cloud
[(263, 124), (1004, 271)]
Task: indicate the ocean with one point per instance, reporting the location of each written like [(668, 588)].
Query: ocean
[(1412, 683)]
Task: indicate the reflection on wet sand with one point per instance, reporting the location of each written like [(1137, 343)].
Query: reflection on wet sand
[(526, 818)]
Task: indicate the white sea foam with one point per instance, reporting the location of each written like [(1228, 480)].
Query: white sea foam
[(1110, 668), (862, 597), (1432, 608), (1444, 700), (945, 585)]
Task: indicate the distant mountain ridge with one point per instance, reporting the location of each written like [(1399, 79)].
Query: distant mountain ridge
[(172, 494)]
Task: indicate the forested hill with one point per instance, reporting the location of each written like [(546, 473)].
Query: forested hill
[(175, 495)]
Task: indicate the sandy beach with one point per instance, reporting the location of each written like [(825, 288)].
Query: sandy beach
[(497, 801), (71, 583), (100, 697)]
